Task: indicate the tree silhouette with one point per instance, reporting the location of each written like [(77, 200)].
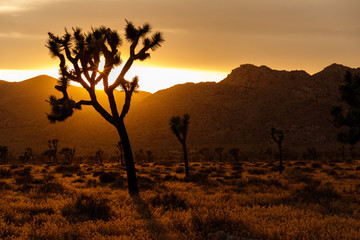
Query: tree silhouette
[(179, 126), (3, 154), (83, 52), (99, 156), (68, 154), (219, 152), (278, 136), (27, 155), (235, 153), (350, 94), (53, 149)]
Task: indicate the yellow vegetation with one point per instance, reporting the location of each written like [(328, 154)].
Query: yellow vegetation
[(247, 200)]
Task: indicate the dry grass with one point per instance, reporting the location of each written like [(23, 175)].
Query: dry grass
[(311, 200)]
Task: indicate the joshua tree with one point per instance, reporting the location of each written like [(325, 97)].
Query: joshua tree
[(80, 55), (219, 152), (278, 136), (150, 156), (53, 149), (206, 154), (140, 156), (99, 156), (179, 126), (47, 153), (27, 155), (68, 154), (3, 154), (235, 153), (350, 94)]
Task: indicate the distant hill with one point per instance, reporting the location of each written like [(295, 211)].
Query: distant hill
[(237, 111)]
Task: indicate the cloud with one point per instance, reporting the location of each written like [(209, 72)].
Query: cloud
[(18, 35), (16, 6)]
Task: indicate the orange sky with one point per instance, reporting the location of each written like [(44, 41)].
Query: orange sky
[(207, 35)]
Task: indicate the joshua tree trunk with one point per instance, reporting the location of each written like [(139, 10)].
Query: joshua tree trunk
[(129, 160), (280, 156), (186, 161)]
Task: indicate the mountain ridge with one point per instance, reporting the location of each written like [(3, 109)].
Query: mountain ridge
[(237, 111)]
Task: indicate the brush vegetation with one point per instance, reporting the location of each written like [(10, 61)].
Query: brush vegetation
[(246, 200)]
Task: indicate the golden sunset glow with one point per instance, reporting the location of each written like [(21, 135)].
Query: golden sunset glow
[(152, 79), (214, 37), (180, 119)]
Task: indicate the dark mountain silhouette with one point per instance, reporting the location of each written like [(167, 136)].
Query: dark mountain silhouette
[(238, 111)]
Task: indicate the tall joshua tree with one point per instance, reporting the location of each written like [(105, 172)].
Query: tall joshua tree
[(80, 54), (278, 136), (179, 126)]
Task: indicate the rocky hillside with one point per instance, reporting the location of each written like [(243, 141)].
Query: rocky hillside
[(238, 111)]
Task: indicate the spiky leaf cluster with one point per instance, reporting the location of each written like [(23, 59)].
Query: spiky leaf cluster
[(61, 109), (350, 94), (277, 135), (179, 126)]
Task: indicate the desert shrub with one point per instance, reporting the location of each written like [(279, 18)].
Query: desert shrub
[(316, 165), (109, 177), (145, 182), (155, 175), (15, 166), (315, 192), (332, 173), (237, 168), (168, 201), (78, 180), (5, 173), (206, 222), (25, 178), (308, 170), (91, 183), (4, 186), (260, 182), (24, 171), (88, 207), (299, 163), (64, 175), (197, 177), (98, 173), (67, 169), (50, 185), (180, 170), (297, 177), (256, 171), (170, 178)]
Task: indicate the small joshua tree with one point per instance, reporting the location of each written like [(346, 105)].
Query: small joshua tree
[(68, 154), (278, 136), (219, 152), (53, 149), (80, 56), (149, 156), (99, 156), (235, 153), (179, 127), (3, 154), (27, 156)]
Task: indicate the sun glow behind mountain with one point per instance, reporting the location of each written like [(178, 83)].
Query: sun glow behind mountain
[(151, 79)]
